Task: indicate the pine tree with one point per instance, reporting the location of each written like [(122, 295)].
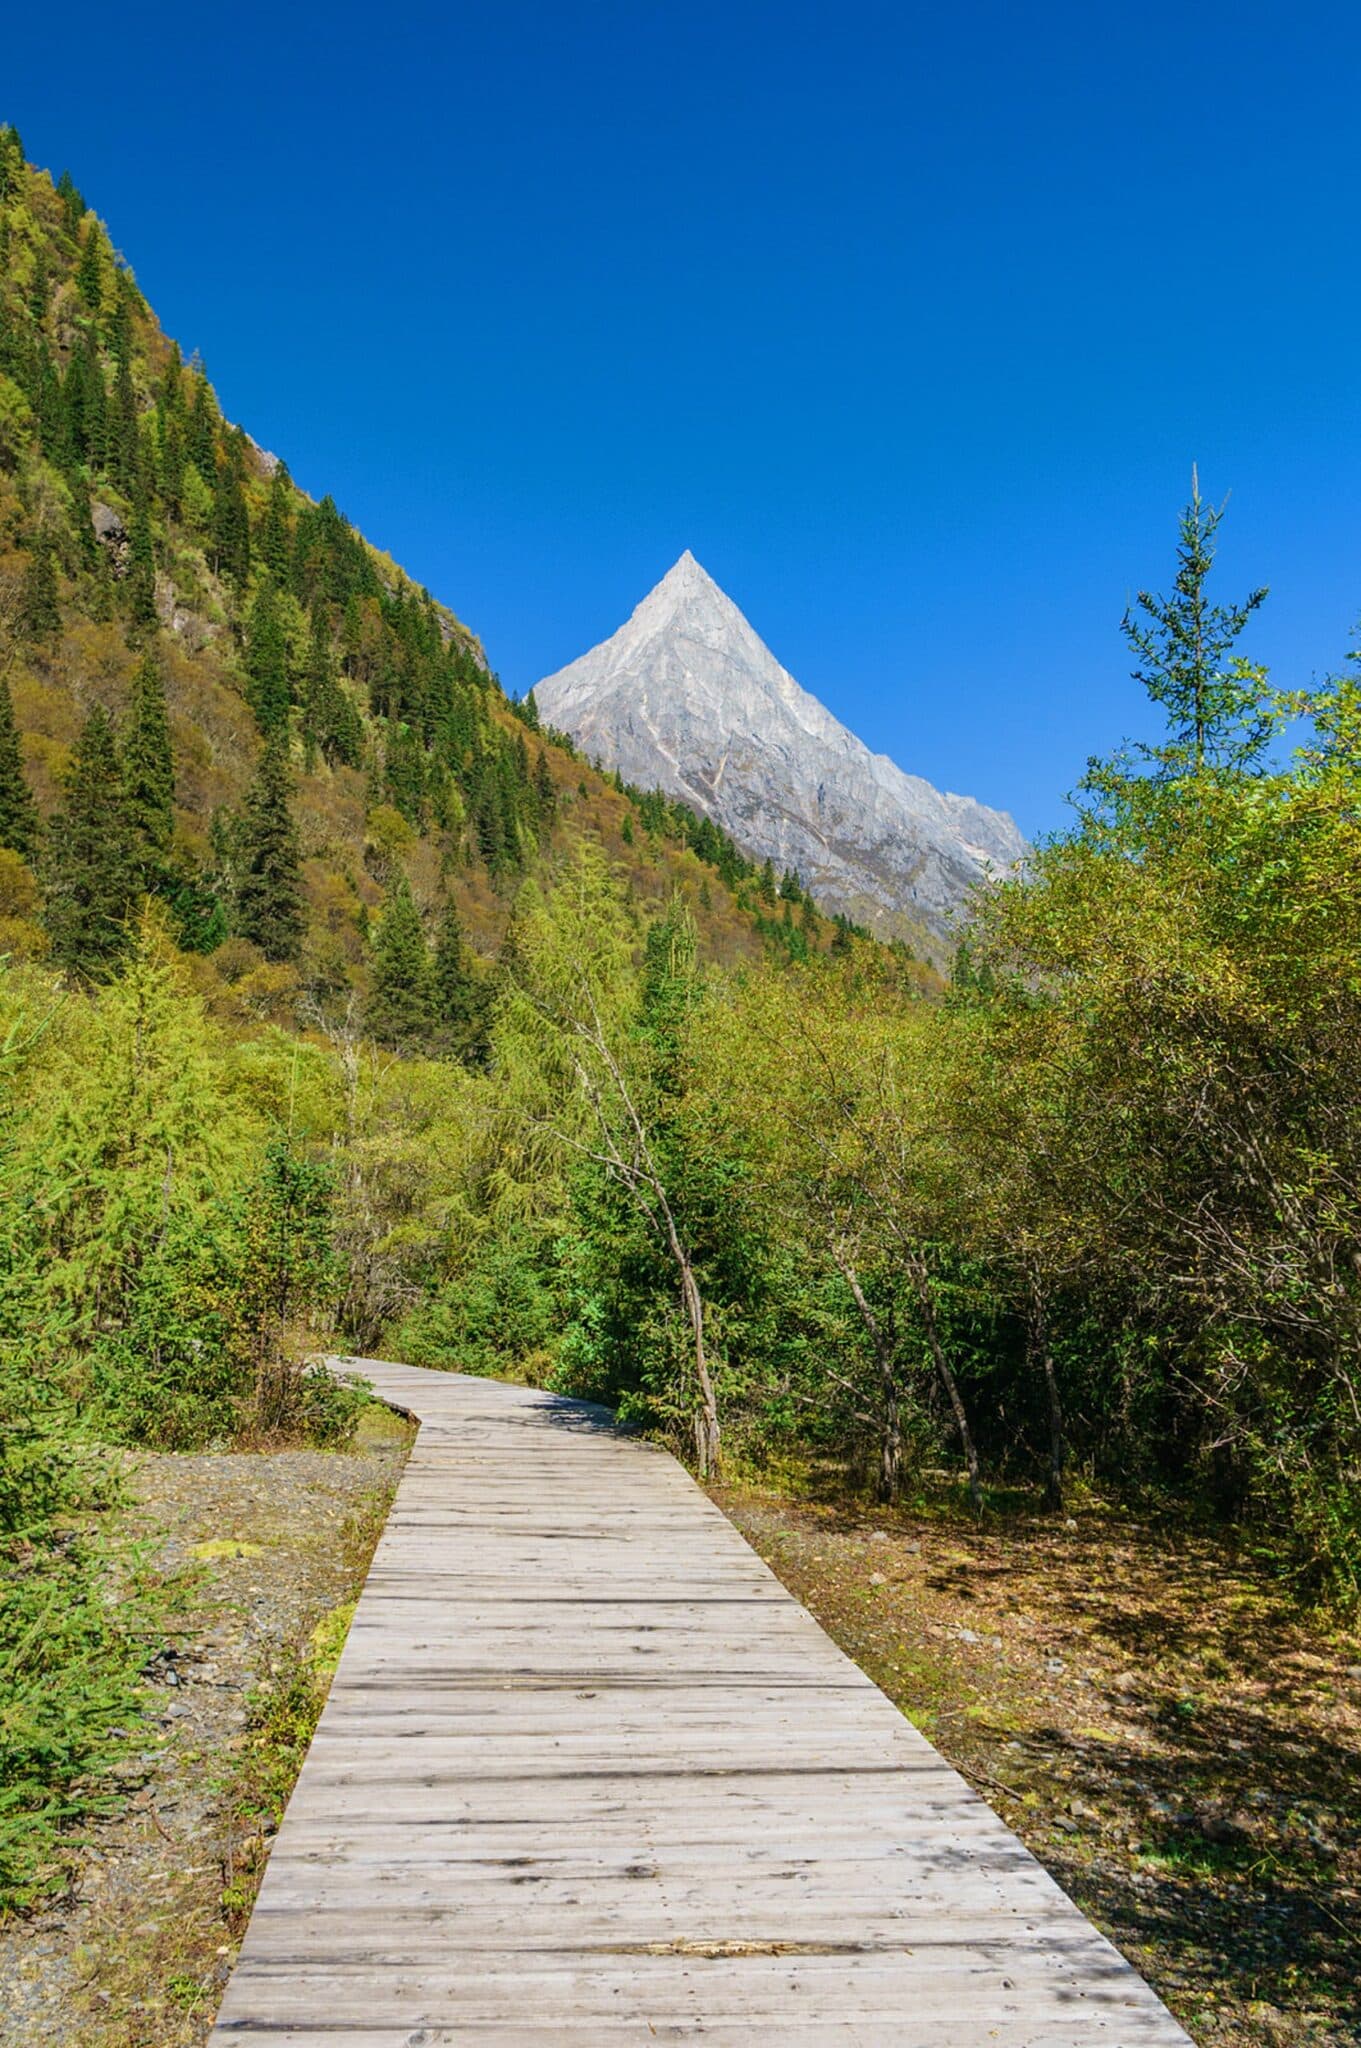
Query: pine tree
[(18, 812), (202, 439), (38, 597), (275, 545), (269, 906), (330, 720), (399, 1008), (149, 772), (90, 269), (11, 162), (86, 402), (267, 663), (231, 522), (545, 790), (38, 293), (141, 578), (73, 205), (457, 995), (91, 876), (1214, 706)]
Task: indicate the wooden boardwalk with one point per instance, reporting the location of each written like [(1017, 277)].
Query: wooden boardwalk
[(587, 1773)]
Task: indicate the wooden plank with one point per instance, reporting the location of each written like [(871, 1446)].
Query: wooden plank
[(587, 1773)]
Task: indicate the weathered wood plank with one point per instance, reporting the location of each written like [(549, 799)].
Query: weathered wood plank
[(587, 1773)]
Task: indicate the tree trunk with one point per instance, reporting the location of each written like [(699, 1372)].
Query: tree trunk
[(921, 1280), (891, 1411), (1039, 1347), (707, 1434)]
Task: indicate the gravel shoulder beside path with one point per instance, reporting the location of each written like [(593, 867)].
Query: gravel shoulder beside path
[(265, 1544)]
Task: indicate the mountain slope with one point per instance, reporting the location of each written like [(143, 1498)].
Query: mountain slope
[(688, 697), (140, 526)]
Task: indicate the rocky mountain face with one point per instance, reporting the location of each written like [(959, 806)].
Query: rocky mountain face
[(686, 697)]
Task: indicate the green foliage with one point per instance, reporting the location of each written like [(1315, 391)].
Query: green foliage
[(40, 610), (400, 1011), (459, 995), (149, 771), (1182, 642), (267, 662), (92, 880), (18, 812), (268, 906)]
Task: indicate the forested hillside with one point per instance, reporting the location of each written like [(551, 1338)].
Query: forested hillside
[(303, 737), (343, 1008)]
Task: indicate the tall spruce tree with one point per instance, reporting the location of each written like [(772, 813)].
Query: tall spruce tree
[(38, 595), (141, 577), (231, 522), (267, 689), (330, 720), (91, 871), (276, 534), (1214, 705), (399, 1007), (18, 812), (458, 1001), (11, 162), (269, 906), (90, 269), (149, 773)]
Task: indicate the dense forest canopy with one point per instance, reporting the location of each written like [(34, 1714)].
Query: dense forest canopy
[(342, 1007)]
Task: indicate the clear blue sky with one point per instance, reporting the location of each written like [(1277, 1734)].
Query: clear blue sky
[(910, 321)]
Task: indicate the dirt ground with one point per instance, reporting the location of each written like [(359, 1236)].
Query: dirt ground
[(267, 1544), (1153, 1717)]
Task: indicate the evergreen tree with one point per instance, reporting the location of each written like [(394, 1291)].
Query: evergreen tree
[(269, 905), (330, 721), (231, 522), (141, 578), (275, 546), (11, 162), (73, 205), (404, 774), (90, 269), (86, 401), (399, 1008), (38, 597), (148, 772), (91, 872), (457, 998), (202, 438), (1214, 712), (38, 293), (544, 790), (528, 710), (170, 465), (267, 663), (18, 812)]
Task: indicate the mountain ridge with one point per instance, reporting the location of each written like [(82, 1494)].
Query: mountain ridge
[(685, 694)]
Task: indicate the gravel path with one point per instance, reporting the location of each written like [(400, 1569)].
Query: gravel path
[(270, 1542)]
